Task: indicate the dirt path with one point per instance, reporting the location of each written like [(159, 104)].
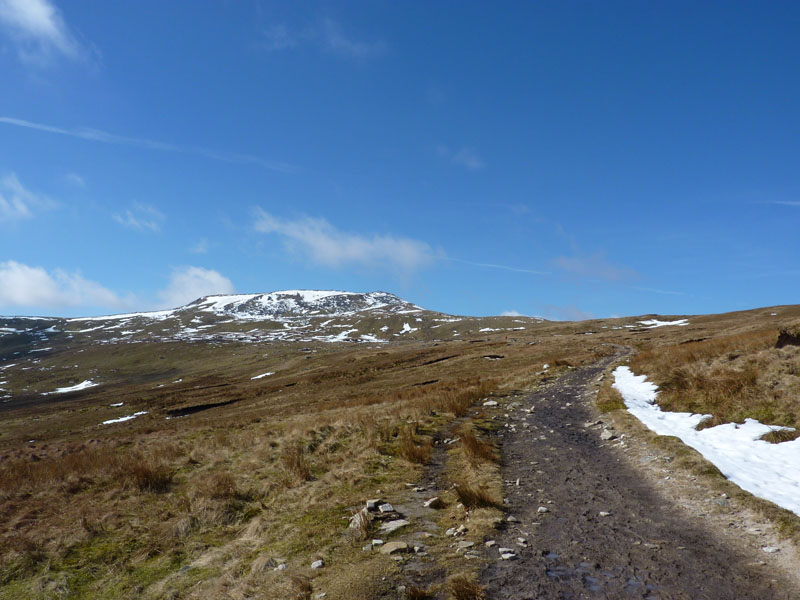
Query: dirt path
[(603, 530)]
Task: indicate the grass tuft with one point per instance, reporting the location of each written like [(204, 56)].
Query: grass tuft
[(475, 496), (410, 450), (464, 587), (475, 449), (295, 462)]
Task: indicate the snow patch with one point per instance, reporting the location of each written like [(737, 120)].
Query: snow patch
[(765, 470), (73, 388), (652, 323), (267, 374), (126, 418)]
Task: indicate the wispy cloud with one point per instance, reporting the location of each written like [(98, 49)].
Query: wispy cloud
[(24, 286), (39, 31), (201, 247), (511, 313), (97, 135), (328, 36), (17, 202), (279, 37), (75, 180), (465, 156), (662, 292), (782, 202), (495, 266), (321, 243), (141, 217), (190, 283), (594, 266)]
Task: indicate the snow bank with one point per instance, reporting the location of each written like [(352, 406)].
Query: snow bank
[(769, 471)]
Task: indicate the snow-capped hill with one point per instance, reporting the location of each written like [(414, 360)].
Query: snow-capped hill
[(299, 303)]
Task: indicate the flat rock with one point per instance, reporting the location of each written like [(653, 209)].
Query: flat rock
[(393, 547), (391, 526), (317, 564), (386, 508)]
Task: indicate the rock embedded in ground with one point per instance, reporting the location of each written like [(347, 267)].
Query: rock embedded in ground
[(463, 545), (394, 547), (542, 510), (386, 508), (434, 502), (607, 435), (373, 504), (317, 564)]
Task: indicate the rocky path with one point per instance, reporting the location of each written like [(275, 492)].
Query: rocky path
[(585, 524)]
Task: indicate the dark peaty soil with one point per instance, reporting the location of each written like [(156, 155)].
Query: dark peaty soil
[(643, 548)]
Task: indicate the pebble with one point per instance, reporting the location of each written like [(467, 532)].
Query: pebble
[(490, 544), (543, 509), (509, 556), (771, 549), (490, 403), (512, 519), (317, 564), (604, 513)]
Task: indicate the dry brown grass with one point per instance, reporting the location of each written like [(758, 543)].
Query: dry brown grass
[(475, 449), (414, 592), (151, 476), (295, 462), (731, 377), (242, 479), (410, 449), (465, 587), (301, 587), (475, 496)]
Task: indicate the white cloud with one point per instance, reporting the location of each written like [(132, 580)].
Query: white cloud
[(466, 157), (17, 202), (323, 244), (25, 286), (190, 283), (511, 313), (39, 30), (141, 217), (594, 266)]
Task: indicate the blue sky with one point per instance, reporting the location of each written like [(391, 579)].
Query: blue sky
[(563, 159)]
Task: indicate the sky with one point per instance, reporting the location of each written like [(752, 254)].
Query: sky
[(569, 160)]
